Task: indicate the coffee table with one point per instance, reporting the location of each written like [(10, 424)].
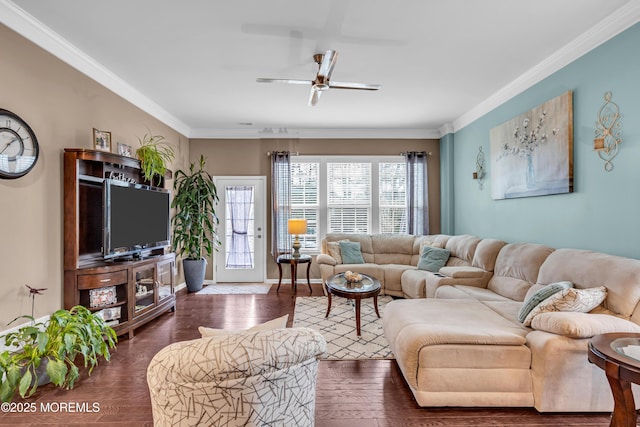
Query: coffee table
[(368, 287), (619, 355)]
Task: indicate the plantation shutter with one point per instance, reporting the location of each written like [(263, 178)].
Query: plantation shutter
[(349, 197), (392, 194), (305, 200)]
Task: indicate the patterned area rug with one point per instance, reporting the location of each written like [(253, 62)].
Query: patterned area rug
[(235, 288), (339, 329)]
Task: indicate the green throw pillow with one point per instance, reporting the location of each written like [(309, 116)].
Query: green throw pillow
[(433, 259), (351, 253), (540, 296)]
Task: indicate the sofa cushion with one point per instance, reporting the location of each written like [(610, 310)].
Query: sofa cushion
[(582, 300), (586, 269), (462, 272), (581, 325), (486, 254), (542, 294), (462, 249), (435, 240), (516, 269), (351, 253), (433, 259), (468, 292), (392, 248), (366, 245)]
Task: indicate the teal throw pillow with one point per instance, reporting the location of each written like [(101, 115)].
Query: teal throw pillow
[(540, 296), (351, 253), (433, 259)]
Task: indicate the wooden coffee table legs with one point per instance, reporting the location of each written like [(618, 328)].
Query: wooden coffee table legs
[(356, 298), (624, 413)]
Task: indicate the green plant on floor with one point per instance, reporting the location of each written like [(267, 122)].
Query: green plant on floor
[(55, 344), (154, 154), (195, 220)]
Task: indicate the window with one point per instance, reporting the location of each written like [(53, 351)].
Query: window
[(364, 194)]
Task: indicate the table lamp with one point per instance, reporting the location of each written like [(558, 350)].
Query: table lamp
[(297, 227)]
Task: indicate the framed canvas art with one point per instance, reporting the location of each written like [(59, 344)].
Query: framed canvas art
[(532, 154)]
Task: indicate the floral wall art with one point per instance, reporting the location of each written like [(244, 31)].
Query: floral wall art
[(532, 154)]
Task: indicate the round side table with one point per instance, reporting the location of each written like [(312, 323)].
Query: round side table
[(293, 262), (619, 356)]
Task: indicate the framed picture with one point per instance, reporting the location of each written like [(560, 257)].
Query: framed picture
[(102, 296), (532, 154), (101, 140), (124, 149)]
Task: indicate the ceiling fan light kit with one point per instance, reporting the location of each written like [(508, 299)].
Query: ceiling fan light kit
[(326, 62)]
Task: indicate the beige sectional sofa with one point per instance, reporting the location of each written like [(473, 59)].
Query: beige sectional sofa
[(456, 335)]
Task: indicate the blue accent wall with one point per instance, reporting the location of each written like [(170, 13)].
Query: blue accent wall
[(603, 212)]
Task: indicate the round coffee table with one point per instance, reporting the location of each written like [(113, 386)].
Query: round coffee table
[(619, 355), (368, 287)]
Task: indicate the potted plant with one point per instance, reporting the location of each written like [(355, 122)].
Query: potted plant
[(154, 154), (194, 222), (55, 345)]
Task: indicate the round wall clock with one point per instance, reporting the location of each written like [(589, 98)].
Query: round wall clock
[(18, 146)]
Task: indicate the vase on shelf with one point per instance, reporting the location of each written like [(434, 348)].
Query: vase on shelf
[(531, 173)]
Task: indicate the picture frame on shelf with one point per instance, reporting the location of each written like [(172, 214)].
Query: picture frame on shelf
[(101, 140), (101, 297), (124, 149)]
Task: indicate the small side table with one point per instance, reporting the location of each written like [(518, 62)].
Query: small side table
[(293, 262), (608, 352)]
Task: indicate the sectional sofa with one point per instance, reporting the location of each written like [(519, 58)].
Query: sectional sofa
[(456, 333)]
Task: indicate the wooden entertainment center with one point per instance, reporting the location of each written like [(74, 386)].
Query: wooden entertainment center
[(129, 292)]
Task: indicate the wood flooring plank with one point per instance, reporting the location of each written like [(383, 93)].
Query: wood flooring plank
[(360, 393)]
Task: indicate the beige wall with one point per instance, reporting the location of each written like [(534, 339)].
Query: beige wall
[(62, 106), (238, 157)]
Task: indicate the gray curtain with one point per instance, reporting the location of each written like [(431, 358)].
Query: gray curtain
[(280, 202), (417, 193), (240, 203)]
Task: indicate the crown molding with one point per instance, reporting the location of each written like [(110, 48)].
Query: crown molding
[(609, 27), (26, 25), (307, 133)]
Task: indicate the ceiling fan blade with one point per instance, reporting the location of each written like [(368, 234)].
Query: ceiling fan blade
[(327, 64), (289, 81), (314, 97), (360, 86)]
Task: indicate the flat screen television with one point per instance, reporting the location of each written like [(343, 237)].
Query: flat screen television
[(136, 219)]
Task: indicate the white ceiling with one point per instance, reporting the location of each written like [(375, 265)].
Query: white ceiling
[(441, 63)]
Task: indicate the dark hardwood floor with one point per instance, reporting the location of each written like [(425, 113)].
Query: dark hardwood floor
[(369, 393)]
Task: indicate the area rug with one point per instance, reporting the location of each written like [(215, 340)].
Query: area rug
[(235, 288), (339, 329)]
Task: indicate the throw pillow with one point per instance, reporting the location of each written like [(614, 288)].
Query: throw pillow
[(351, 253), (581, 325), (541, 295), (278, 323), (572, 299), (433, 259)]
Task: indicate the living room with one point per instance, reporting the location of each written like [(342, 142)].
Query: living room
[(63, 104)]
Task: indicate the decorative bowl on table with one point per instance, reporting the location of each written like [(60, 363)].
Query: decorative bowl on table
[(352, 277)]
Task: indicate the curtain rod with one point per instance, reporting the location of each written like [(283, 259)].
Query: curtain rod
[(404, 152), (291, 153), (297, 154)]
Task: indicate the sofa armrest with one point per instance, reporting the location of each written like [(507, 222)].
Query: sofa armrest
[(462, 272), (325, 259)]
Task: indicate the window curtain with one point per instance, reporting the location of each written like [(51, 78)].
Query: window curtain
[(280, 202), (417, 193), (240, 203)]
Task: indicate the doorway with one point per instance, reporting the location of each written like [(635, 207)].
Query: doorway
[(242, 229)]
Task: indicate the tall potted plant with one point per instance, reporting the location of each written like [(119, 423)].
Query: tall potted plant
[(195, 221)]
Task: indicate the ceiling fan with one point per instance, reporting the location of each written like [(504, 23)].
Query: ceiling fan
[(326, 61)]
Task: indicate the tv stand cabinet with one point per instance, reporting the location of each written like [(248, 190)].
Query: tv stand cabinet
[(127, 293)]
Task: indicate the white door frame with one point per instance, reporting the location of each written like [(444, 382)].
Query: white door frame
[(261, 188)]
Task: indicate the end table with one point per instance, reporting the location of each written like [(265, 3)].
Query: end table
[(293, 262)]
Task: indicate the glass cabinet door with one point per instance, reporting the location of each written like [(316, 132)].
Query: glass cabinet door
[(165, 279), (145, 287)]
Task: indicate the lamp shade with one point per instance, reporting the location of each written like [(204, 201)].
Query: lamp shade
[(297, 226)]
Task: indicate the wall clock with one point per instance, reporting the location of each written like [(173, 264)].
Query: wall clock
[(18, 146)]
